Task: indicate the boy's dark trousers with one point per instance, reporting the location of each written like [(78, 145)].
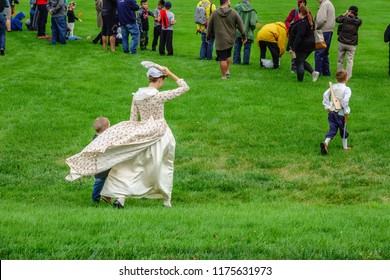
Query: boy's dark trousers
[(144, 40), (336, 122), (156, 34), (166, 40)]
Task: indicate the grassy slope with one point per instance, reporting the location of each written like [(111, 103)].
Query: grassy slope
[(249, 180)]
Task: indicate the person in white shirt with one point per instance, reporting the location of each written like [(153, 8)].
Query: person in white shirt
[(337, 118)]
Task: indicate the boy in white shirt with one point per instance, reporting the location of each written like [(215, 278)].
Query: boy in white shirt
[(337, 118)]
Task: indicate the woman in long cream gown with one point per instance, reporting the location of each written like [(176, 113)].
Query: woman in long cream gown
[(140, 152)]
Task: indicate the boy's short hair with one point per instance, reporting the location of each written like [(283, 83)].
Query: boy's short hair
[(341, 75), (161, 2), (101, 124), (223, 2), (144, 1)]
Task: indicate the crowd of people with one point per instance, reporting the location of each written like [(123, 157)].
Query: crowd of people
[(126, 22)]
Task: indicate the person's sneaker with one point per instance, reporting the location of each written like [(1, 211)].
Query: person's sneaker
[(227, 75), (2, 52), (347, 149), (315, 75), (324, 148)]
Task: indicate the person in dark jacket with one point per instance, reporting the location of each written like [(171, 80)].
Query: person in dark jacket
[(109, 15), (301, 43), (293, 17), (128, 21), (349, 24), (387, 40), (143, 22)]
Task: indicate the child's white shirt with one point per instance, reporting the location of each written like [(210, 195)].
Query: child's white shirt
[(343, 94)]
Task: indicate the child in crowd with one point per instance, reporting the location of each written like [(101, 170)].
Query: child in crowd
[(157, 25), (337, 118), (167, 20), (100, 125), (143, 22), (72, 18)]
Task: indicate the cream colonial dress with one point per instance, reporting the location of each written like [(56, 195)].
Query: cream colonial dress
[(140, 152)]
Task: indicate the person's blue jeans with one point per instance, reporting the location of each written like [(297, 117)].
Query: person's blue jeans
[(321, 56), (97, 188), (237, 51), (133, 30), (58, 30), (2, 32), (206, 49)]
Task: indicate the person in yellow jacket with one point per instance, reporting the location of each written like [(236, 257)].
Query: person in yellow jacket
[(206, 49), (274, 37)]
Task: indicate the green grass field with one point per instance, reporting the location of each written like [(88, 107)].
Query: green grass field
[(250, 182)]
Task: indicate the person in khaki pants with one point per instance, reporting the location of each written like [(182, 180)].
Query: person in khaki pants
[(349, 24)]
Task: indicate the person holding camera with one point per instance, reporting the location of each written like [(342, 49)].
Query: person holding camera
[(347, 32)]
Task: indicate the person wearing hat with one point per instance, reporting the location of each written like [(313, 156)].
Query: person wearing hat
[(141, 151), (347, 31)]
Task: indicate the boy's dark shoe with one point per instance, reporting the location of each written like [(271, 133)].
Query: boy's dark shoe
[(324, 148), (2, 52)]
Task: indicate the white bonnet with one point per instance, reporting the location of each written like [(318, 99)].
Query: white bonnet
[(155, 73)]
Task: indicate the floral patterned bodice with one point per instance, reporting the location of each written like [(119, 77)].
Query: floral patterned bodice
[(153, 106)]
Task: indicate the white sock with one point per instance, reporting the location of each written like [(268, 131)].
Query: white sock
[(345, 143), (327, 140)]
